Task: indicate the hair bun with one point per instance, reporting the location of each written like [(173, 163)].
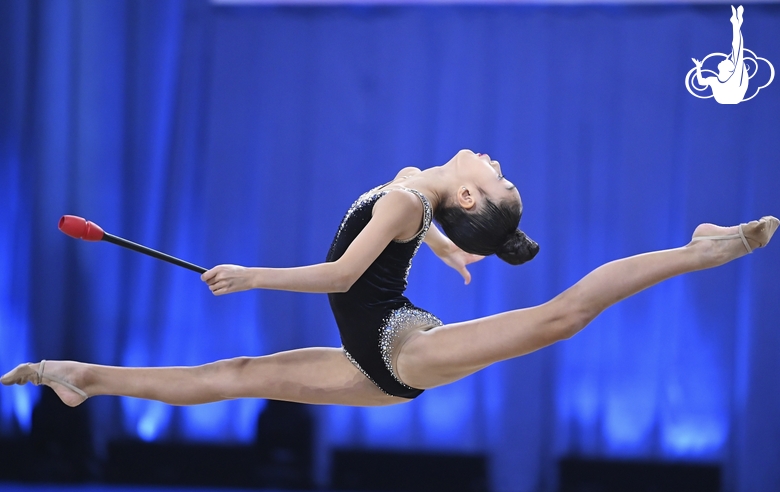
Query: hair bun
[(518, 248)]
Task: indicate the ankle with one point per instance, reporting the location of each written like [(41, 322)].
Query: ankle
[(79, 375), (707, 254)]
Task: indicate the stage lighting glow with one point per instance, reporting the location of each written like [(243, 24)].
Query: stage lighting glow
[(695, 436), (151, 423), (22, 403)]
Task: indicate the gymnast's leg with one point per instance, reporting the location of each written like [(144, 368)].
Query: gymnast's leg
[(312, 375), (448, 353)]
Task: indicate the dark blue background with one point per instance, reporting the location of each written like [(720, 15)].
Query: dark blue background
[(241, 135)]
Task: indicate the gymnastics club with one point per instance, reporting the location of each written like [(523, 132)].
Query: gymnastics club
[(80, 228)]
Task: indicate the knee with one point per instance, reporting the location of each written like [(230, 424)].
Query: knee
[(221, 376), (571, 315), (223, 368)]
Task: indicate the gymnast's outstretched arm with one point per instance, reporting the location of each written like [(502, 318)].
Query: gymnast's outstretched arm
[(390, 221)]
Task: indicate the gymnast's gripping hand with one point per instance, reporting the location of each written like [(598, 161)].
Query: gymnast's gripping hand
[(226, 279)]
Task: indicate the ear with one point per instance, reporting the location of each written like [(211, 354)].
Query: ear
[(465, 198)]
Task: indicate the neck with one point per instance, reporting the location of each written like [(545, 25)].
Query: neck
[(434, 183)]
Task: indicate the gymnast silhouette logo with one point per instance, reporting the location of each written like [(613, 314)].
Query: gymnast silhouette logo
[(730, 84)]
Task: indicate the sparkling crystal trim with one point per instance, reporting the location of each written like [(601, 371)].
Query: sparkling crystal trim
[(397, 323), (427, 216), (372, 195), (361, 201)]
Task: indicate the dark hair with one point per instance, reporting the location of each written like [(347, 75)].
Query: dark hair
[(490, 230)]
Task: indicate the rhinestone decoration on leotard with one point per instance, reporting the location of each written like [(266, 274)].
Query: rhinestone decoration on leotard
[(396, 323), (371, 194), (362, 200), (427, 216)]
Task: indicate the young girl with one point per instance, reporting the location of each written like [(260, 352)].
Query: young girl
[(392, 350)]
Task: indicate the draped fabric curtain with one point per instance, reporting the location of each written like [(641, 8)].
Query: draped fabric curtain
[(242, 134)]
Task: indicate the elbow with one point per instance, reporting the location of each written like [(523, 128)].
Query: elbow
[(342, 285), (343, 281)]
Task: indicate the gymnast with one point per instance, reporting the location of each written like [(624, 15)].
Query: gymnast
[(392, 350)]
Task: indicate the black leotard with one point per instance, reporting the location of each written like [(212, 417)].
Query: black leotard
[(373, 315)]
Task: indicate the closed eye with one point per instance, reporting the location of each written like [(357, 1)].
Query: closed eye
[(500, 177)]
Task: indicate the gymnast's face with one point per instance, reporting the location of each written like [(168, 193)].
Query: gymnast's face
[(481, 177)]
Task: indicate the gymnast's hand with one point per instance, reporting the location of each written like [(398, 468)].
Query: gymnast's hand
[(458, 259), (226, 279)]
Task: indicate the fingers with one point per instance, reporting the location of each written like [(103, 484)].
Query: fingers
[(459, 264), (219, 289), (226, 279), (474, 258), (464, 272), (210, 275), (215, 279), (207, 275)]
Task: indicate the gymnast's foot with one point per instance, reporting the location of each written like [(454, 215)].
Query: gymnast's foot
[(64, 377), (722, 244)]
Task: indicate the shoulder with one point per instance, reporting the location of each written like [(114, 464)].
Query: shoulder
[(399, 202), (401, 211), (407, 171)]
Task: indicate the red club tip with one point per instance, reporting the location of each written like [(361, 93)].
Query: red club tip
[(80, 228)]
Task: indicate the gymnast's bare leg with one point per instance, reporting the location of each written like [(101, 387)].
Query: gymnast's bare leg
[(310, 375), (428, 359), (448, 353)]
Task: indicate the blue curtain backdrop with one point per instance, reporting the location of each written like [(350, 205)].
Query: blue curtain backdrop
[(241, 135)]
